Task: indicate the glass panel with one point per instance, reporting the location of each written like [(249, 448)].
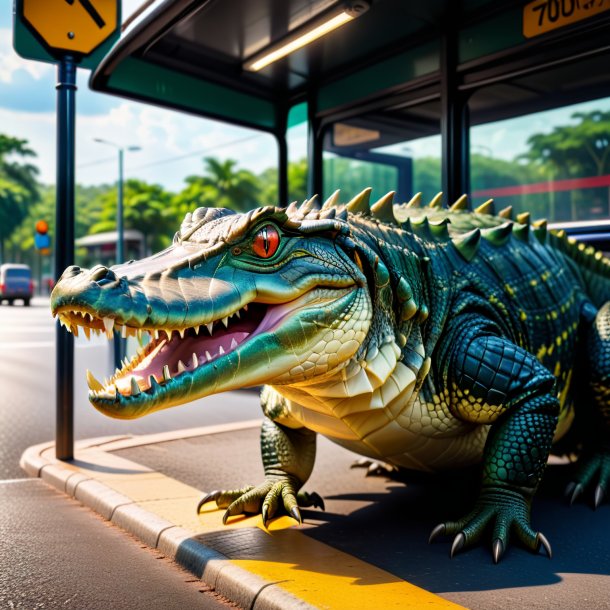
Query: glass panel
[(394, 150), (554, 164)]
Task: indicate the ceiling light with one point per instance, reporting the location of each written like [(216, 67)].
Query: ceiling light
[(306, 34)]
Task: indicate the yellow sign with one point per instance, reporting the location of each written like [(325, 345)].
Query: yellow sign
[(77, 26), (542, 16)]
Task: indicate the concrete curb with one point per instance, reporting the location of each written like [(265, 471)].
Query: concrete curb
[(247, 590)]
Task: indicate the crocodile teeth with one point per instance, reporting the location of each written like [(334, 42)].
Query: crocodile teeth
[(195, 361), (155, 334), (93, 383), (246, 307), (124, 331), (108, 326), (181, 367), (135, 388), (166, 375), (152, 382), (87, 331), (168, 332), (237, 314), (233, 343), (220, 350), (225, 321), (208, 355), (181, 332), (209, 327), (196, 329)]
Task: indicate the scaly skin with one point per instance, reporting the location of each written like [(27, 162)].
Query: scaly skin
[(435, 341)]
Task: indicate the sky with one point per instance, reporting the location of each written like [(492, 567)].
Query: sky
[(172, 144)]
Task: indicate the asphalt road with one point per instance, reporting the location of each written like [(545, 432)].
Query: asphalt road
[(57, 553), (27, 390)]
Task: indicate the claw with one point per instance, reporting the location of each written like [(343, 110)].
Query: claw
[(578, 489), (225, 517), (497, 550), (599, 495), (542, 541), (458, 543), (295, 513), (436, 532), (211, 496), (265, 514)]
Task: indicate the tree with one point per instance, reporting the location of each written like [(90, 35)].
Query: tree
[(297, 184), (222, 186), (18, 186), (582, 149), (146, 207)]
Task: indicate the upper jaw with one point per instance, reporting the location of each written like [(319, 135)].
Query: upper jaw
[(182, 364)]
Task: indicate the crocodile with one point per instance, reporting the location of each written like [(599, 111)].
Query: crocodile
[(427, 337)]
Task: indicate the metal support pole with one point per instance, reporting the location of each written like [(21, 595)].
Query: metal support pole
[(119, 345), (64, 252), (454, 121), (282, 170), (120, 246), (314, 152)]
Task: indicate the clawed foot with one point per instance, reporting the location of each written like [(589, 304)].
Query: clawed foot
[(375, 468), (508, 512), (592, 468), (266, 498)]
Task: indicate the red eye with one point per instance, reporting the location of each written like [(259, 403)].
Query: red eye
[(266, 242)]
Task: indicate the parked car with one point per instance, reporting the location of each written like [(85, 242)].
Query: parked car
[(16, 283)]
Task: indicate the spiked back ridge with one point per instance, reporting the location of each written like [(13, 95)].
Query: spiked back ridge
[(457, 225)]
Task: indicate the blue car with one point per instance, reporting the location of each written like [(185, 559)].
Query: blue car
[(16, 283)]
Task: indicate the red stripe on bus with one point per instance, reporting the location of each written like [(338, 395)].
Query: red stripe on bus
[(552, 186)]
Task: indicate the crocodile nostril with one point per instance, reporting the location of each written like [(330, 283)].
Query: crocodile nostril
[(103, 274), (71, 271)]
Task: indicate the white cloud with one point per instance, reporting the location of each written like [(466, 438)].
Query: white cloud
[(11, 63)]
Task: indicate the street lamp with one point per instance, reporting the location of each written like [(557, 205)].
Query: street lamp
[(120, 252)]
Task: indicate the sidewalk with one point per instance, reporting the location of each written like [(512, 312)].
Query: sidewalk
[(367, 550), (277, 569)]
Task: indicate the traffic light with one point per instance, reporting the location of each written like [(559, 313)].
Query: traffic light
[(41, 237)]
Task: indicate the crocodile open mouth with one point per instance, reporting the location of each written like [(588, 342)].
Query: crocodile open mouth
[(173, 353), (169, 353)]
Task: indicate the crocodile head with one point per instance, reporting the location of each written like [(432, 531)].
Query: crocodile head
[(271, 296)]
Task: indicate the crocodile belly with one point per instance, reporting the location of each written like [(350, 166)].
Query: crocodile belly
[(395, 445)]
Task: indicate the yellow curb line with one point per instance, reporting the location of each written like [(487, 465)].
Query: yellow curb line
[(282, 568)]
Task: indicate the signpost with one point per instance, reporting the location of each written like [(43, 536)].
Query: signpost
[(69, 33)]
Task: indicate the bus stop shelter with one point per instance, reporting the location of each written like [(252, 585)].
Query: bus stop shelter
[(395, 71)]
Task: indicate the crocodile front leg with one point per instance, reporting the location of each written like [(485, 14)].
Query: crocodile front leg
[(288, 458), (493, 381)]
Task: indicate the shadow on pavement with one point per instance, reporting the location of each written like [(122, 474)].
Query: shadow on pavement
[(392, 529)]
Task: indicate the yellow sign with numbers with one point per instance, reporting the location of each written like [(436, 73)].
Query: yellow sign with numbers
[(77, 26), (542, 16)]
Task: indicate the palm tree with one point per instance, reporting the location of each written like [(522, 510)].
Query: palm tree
[(236, 189)]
